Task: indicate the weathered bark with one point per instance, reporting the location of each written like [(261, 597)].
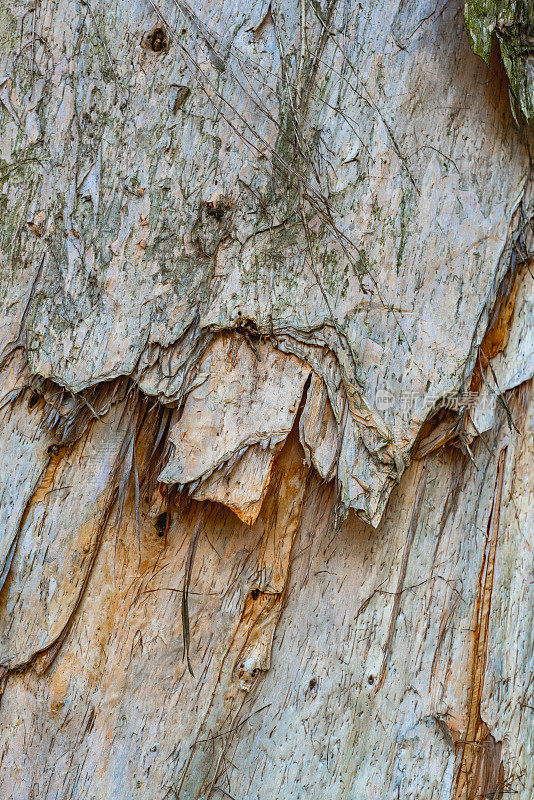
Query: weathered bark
[(267, 425)]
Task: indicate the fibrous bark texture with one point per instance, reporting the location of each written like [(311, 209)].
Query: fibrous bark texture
[(266, 363)]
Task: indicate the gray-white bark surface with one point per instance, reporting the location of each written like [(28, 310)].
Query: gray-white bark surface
[(266, 360)]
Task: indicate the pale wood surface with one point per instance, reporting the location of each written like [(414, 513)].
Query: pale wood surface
[(249, 252)]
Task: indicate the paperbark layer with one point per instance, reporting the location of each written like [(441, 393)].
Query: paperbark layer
[(266, 367)]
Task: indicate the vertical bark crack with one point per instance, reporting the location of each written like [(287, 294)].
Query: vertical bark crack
[(480, 772)]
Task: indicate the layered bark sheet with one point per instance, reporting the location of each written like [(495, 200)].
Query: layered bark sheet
[(348, 182), (263, 265)]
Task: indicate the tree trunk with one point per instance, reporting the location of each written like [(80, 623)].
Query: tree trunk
[(266, 362)]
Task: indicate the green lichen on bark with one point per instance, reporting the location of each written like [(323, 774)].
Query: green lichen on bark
[(512, 22)]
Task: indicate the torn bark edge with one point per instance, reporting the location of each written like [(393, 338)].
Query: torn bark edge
[(447, 427), (81, 411)]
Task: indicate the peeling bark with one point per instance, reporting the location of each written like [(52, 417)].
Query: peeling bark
[(266, 364)]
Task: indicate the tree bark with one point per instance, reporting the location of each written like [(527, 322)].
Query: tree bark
[(266, 366)]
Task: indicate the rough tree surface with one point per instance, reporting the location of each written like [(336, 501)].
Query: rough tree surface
[(267, 430)]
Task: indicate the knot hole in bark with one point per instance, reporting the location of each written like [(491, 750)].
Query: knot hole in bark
[(215, 210), (157, 41), (162, 523)]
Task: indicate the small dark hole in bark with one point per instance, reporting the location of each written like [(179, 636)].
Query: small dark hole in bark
[(34, 399), (370, 680), (254, 672), (248, 328), (162, 523), (313, 683), (213, 210), (184, 31), (158, 40), (255, 593), (52, 450)]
